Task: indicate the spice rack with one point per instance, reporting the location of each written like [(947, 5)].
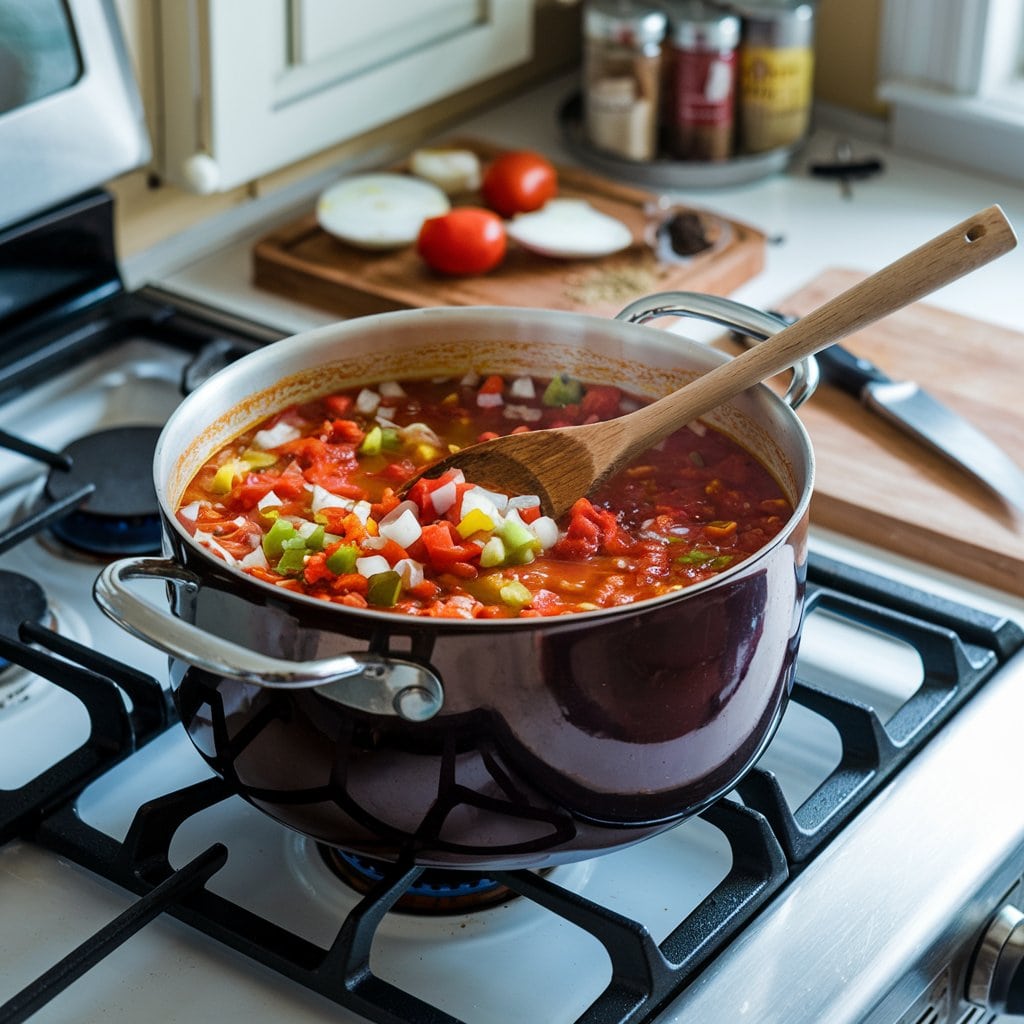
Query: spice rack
[(692, 93), (665, 173)]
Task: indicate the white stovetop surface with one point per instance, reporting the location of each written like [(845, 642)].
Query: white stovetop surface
[(168, 973)]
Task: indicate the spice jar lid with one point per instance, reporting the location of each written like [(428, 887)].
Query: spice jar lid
[(623, 22), (696, 24), (775, 22)]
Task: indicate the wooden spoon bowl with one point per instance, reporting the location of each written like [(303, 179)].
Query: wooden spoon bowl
[(563, 464)]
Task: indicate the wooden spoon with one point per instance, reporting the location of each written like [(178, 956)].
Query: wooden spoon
[(565, 463)]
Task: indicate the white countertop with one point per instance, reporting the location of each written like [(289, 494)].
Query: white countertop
[(811, 225)]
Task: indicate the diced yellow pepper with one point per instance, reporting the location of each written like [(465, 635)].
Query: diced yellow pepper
[(474, 521), (516, 595), (224, 478), (256, 459)]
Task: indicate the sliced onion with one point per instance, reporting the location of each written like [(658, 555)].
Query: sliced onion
[(569, 229), (379, 211), (453, 170)]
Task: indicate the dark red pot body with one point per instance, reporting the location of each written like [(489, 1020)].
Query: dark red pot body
[(558, 738)]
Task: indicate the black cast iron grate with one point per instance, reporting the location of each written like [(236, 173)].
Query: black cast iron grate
[(960, 648)]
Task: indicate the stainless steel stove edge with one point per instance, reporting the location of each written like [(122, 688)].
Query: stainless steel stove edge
[(889, 915)]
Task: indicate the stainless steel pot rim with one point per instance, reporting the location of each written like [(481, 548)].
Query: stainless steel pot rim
[(314, 339)]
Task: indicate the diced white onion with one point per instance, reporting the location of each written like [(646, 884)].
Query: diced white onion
[(478, 498), (443, 497), (404, 530), (323, 498), (697, 427), (373, 543), (307, 529), (522, 387), (524, 501), (489, 399), (497, 499), (367, 402), (410, 570), (269, 500), (470, 380), (191, 511), (370, 565), (545, 529), (526, 413), (362, 509), (256, 559), (276, 435), (391, 389)]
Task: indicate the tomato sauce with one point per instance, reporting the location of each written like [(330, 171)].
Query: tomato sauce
[(308, 500)]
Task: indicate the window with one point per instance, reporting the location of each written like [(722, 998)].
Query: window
[(953, 74)]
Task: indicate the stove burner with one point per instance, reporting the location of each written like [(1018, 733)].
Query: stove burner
[(23, 600), (435, 892), (121, 517)]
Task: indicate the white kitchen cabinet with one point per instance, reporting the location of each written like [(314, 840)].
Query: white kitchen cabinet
[(249, 86)]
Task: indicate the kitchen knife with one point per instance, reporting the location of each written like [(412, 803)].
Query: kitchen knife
[(912, 409)]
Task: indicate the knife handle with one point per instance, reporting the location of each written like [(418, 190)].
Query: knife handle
[(841, 368)]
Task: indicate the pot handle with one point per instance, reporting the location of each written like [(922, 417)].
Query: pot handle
[(366, 682), (746, 320)]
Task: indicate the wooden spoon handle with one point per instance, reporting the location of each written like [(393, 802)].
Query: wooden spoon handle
[(957, 251)]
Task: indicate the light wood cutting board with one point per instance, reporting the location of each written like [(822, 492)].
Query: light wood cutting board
[(301, 261), (877, 484)]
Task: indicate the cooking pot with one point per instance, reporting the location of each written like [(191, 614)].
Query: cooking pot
[(502, 743)]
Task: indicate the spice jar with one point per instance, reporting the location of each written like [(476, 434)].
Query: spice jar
[(622, 71), (701, 105), (776, 73)]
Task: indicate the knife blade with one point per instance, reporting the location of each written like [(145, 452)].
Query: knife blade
[(908, 406)]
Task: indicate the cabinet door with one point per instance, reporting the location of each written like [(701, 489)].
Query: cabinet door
[(253, 85)]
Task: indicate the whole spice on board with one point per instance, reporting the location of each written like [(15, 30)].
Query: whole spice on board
[(702, 95), (623, 70)]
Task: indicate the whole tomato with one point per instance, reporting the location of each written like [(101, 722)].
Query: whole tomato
[(519, 182), (466, 240)]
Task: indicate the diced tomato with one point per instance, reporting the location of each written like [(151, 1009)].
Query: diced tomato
[(421, 491), (602, 401), (339, 405), (492, 385), (444, 547)]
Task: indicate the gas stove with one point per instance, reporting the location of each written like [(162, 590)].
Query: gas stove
[(866, 870), (137, 880)]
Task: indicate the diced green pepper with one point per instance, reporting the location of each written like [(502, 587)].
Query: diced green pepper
[(343, 559), (389, 439), (274, 538), (371, 443), (384, 588), (492, 553), (708, 558), (293, 555), (562, 390), (315, 539)]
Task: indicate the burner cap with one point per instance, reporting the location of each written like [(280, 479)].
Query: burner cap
[(22, 599), (121, 516)]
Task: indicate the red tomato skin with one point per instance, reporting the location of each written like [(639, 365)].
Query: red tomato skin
[(519, 182), (466, 240)]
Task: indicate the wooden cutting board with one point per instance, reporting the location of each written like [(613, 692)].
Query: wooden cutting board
[(877, 484), (303, 262)]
